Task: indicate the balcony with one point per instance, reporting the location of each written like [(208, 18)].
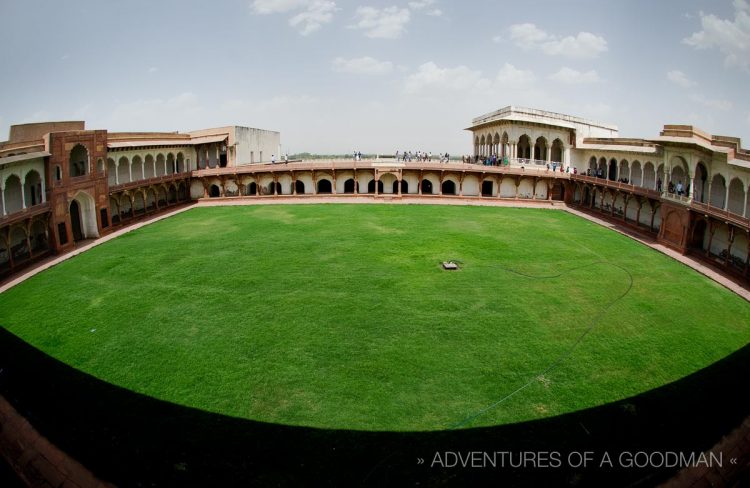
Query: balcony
[(627, 187), (149, 181), (24, 214), (721, 214)]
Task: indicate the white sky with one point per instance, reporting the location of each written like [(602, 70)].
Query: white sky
[(335, 76)]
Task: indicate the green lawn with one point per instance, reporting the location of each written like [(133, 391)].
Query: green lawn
[(339, 316)]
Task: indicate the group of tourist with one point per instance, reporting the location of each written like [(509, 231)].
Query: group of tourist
[(419, 156), (678, 188), (491, 160)]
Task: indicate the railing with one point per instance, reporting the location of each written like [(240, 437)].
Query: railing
[(720, 213), (616, 184), (674, 197), (25, 213), (329, 165), (149, 181)]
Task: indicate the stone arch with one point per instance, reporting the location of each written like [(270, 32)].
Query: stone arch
[(86, 215), (718, 191), (736, 203), (557, 151), (136, 168), (172, 195), (32, 189), (252, 189), (680, 171), (700, 183), (13, 194), (592, 164), (160, 169), (426, 187), (78, 161), (540, 149), (448, 187), (299, 187), (139, 202), (19, 247), (111, 171), (649, 176), (123, 170), (38, 235), (524, 147), (181, 163), (150, 170), (182, 192), (624, 170), (114, 209), (325, 186), (636, 173), (161, 195), (612, 170), (126, 206)]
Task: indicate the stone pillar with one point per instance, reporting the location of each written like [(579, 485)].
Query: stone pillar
[(117, 172), (2, 194), (23, 193), (744, 209), (549, 154), (711, 231), (726, 198), (130, 171), (730, 242)]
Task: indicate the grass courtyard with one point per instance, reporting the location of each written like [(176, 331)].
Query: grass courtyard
[(339, 316)]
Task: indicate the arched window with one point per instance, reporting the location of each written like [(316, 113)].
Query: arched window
[(324, 186), (78, 163)]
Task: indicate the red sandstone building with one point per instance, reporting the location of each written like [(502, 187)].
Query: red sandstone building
[(60, 183)]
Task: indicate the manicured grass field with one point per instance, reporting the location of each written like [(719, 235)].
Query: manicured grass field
[(339, 316)]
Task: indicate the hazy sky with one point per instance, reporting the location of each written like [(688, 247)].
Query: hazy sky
[(339, 75)]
